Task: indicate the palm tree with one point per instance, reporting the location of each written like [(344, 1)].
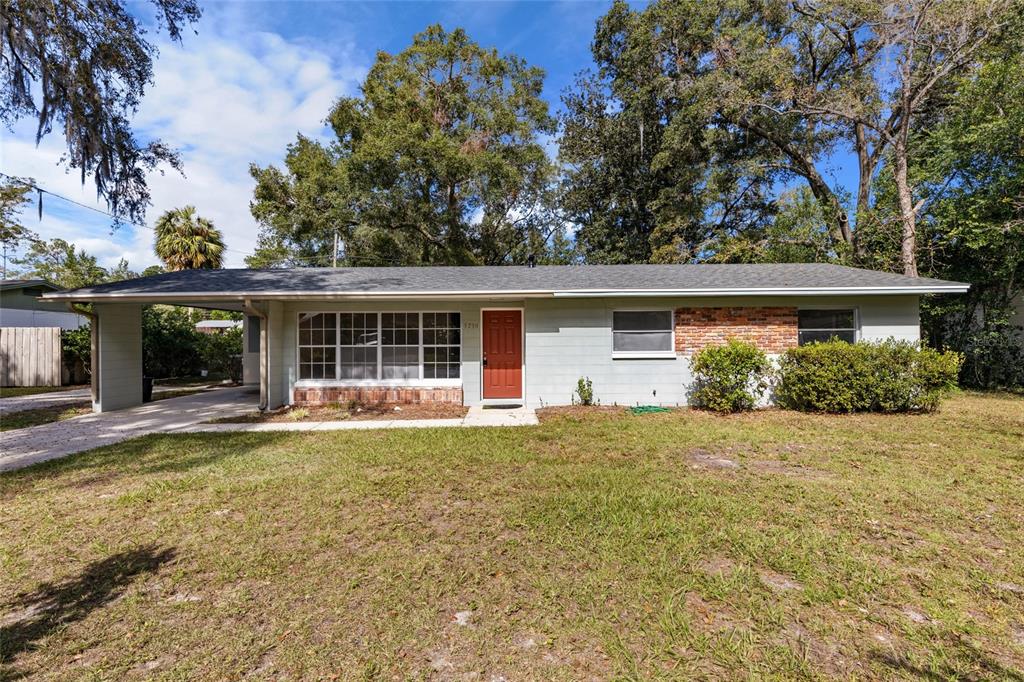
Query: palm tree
[(186, 241)]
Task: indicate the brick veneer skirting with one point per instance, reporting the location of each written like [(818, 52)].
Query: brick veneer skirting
[(405, 395), (772, 329)]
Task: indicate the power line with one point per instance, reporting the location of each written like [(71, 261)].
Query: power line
[(123, 221)]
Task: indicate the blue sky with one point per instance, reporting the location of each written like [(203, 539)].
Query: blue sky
[(254, 75), (257, 73)]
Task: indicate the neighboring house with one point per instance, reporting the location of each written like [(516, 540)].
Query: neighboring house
[(20, 306), (217, 326), (503, 335), (30, 343)]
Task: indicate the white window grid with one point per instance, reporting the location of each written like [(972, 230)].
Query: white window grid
[(378, 346)]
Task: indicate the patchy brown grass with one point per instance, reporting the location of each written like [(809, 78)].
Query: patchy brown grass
[(18, 391), (589, 547), (580, 412)]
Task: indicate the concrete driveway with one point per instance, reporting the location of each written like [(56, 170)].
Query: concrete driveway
[(23, 447), (75, 395)]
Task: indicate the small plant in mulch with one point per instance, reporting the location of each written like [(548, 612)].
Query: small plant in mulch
[(297, 414), (584, 394)]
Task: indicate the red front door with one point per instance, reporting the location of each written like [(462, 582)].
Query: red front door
[(503, 354)]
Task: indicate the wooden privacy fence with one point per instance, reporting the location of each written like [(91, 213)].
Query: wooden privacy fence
[(29, 356)]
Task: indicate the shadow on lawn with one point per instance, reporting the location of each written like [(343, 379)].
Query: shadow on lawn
[(967, 662), (156, 453), (31, 616)]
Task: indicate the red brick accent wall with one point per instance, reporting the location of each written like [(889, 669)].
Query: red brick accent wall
[(365, 394), (773, 330)]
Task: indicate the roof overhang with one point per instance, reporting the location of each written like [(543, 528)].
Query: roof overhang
[(186, 298)]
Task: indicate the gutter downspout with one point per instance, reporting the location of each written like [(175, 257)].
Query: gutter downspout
[(94, 348), (251, 311)]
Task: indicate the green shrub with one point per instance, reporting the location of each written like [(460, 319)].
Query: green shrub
[(730, 378), (890, 376), (222, 353), (584, 392), (76, 349), (170, 342)]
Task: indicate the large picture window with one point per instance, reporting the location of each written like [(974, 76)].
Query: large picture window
[(317, 345), (392, 347), (824, 325), (638, 333)]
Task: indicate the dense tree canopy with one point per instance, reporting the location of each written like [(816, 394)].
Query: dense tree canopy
[(84, 65), (440, 160), (13, 233), (700, 109), (60, 263)]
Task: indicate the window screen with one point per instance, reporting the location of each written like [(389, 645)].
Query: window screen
[(825, 325), (358, 345), (317, 345), (642, 331), (441, 345), (400, 345)]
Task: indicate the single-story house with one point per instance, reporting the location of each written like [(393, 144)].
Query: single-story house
[(501, 335)]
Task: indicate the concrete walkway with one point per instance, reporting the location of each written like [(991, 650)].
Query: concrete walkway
[(75, 395), (477, 416), (23, 447)]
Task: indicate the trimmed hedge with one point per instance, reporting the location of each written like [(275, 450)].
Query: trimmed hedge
[(730, 378), (890, 376)]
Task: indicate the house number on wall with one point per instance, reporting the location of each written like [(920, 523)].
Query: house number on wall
[(470, 325)]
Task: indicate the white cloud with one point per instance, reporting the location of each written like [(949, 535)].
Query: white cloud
[(225, 98)]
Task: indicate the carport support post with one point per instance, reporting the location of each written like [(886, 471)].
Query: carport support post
[(118, 373), (270, 314), (275, 356)]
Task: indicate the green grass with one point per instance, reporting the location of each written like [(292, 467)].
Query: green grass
[(17, 391), (54, 413), (43, 415), (598, 546)]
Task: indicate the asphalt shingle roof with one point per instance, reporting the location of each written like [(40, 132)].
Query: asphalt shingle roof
[(799, 277)]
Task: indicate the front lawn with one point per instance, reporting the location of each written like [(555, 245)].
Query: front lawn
[(597, 545)]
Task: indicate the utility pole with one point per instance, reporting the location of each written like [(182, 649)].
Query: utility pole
[(334, 254)]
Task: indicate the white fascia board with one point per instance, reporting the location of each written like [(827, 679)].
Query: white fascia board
[(133, 297), (830, 291)]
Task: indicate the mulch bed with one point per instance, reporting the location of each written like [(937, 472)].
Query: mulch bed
[(375, 412)]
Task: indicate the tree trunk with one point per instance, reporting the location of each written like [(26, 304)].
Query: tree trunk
[(908, 241), (866, 170)]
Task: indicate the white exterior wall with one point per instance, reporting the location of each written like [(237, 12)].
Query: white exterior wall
[(120, 356), (278, 392), (15, 317), (571, 338)]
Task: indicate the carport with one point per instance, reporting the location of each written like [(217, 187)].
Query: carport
[(116, 317)]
